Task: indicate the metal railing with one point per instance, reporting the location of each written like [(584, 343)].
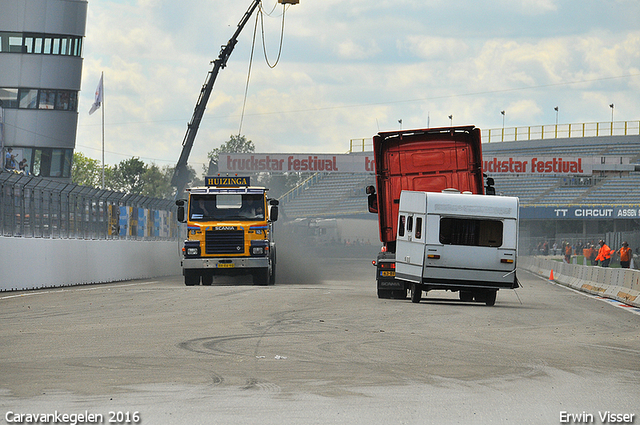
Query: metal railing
[(561, 131), (37, 207), (537, 132)]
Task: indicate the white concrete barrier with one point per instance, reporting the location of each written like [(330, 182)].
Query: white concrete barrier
[(619, 284), (30, 263)]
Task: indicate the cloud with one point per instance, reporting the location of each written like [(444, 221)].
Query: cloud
[(349, 69)]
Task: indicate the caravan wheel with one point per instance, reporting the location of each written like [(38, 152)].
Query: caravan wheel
[(416, 293)]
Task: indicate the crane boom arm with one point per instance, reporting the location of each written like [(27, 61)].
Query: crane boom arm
[(181, 172)]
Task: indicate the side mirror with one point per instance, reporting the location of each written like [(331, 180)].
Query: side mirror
[(180, 203), (372, 199), (273, 212), (181, 215), (274, 201), (489, 189)]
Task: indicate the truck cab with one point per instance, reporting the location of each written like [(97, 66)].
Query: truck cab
[(458, 242), (229, 231), (427, 160)]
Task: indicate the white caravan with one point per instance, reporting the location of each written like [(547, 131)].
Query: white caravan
[(457, 242)]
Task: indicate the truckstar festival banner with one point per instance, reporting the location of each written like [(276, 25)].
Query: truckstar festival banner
[(535, 165), (297, 163)]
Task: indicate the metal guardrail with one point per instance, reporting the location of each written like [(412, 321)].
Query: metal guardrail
[(537, 132), (560, 131), (40, 207)]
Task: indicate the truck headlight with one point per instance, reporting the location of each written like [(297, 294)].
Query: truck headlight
[(259, 248), (191, 249)]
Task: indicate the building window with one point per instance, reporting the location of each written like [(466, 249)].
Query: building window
[(51, 162), (9, 98), (28, 98), (47, 99), (60, 100), (35, 43)]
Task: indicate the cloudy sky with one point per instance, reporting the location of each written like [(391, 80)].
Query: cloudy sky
[(349, 69)]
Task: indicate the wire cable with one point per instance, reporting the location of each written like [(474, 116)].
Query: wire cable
[(264, 47), (246, 88)]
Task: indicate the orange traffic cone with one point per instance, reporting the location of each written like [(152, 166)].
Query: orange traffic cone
[(551, 275)]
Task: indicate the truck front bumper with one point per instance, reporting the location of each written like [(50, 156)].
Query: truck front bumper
[(225, 263)]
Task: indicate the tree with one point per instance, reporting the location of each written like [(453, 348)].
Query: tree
[(86, 171), (128, 176), (156, 182), (236, 144)]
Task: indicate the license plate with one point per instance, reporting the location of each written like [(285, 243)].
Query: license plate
[(384, 273), (226, 265)]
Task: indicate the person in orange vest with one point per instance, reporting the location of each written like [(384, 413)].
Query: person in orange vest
[(625, 255), (567, 253), (587, 252), (604, 254)]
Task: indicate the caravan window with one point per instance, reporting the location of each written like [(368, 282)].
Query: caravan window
[(470, 232), (418, 232), (401, 225)]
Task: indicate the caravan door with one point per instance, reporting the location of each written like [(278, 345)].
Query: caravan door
[(410, 241)]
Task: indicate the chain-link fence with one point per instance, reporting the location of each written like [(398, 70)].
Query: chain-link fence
[(36, 207)]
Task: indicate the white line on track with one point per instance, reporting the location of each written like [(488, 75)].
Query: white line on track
[(75, 288), (615, 303)]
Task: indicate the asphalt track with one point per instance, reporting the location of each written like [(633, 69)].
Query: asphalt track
[(317, 348)]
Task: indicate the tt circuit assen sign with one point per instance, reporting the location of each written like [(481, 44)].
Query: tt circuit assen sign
[(295, 163), (581, 212), (535, 165)]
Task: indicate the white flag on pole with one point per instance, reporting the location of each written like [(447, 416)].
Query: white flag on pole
[(98, 100)]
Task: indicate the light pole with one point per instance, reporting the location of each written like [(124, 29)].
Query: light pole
[(556, 109), (400, 122), (503, 114), (611, 106), (2, 134), (451, 120)]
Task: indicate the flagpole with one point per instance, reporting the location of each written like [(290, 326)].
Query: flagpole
[(102, 79)]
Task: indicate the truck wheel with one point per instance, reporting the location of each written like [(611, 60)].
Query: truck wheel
[(261, 277), (191, 280), (272, 276), (207, 280), (490, 299), (416, 293), (466, 296)]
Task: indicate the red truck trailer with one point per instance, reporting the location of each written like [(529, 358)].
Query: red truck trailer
[(427, 160)]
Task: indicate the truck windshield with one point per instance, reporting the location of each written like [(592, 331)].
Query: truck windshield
[(224, 207)]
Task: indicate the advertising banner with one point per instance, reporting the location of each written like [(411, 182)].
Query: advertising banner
[(581, 212), (536, 165), (295, 163)]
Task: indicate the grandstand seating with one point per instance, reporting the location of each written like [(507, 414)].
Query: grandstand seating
[(332, 194)]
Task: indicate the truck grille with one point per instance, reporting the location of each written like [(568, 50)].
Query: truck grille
[(224, 242)]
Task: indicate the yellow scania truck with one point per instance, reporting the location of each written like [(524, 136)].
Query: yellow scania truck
[(229, 231)]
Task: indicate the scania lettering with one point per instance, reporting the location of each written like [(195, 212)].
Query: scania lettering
[(229, 231)]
